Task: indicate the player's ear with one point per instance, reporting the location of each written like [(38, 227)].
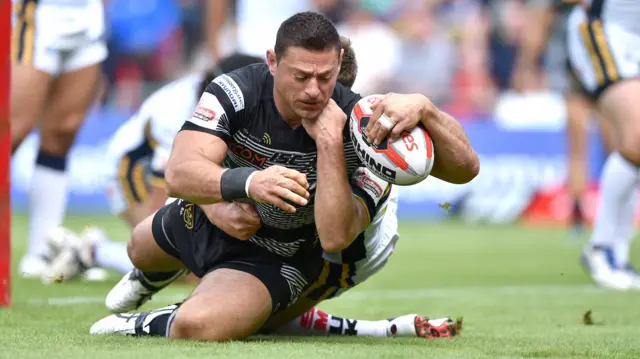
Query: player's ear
[(272, 61)]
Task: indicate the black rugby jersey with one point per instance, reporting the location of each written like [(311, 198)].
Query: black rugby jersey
[(239, 108)]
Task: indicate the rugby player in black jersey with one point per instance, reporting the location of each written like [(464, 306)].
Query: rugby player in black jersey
[(276, 136)]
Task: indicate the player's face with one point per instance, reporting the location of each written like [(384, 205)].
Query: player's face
[(306, 79)]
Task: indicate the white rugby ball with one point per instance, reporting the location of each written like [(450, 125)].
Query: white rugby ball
[(405, 161)]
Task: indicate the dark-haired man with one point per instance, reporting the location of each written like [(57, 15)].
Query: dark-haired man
[(279, 140)]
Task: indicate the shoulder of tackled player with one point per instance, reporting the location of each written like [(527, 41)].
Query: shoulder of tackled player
[(345, 98), (238, 91)]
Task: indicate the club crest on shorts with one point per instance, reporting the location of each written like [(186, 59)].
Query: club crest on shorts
[(187, 215)]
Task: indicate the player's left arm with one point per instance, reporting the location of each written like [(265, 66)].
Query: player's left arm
[(455, 160), (339, 216)]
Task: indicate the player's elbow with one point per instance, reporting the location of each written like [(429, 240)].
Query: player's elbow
[(471, 168), (463, 171), (338, 240), (172, 182), (334, 245)]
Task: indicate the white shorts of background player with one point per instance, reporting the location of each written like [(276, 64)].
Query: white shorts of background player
[(59, 36), (601, 52)]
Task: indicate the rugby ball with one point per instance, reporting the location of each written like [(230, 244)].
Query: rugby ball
[(405, 161)]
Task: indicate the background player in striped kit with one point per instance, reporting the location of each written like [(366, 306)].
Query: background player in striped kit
[(603, 39), (546, 21)]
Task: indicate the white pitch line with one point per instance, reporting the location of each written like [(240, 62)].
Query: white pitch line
[(376, 294)]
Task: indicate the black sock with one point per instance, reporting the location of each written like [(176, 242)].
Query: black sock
[(160, 324), (577, 217), (158, 279)]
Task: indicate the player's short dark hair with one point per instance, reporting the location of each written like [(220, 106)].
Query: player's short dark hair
[(349, 66), (227, 64), (309, 30)]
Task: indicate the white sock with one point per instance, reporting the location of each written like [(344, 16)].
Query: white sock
[(112, 255), (626, 230), (615, 205), (317, 322), (47, 200)]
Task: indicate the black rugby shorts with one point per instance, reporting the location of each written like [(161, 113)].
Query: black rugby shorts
[(183, 230)]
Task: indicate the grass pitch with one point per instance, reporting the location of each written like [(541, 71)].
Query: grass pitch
[(521, 291)]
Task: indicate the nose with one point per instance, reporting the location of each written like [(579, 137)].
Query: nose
[(312, 90)]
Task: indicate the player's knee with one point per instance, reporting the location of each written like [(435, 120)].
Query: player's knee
[(199, 325), (58, 138), (628, 145), (21, 126), (136, 249)]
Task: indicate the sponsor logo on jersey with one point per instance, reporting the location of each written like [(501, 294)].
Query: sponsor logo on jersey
[(209, 112), (233, 91), (294, 160), (369, 184), (248, 154), (377, 168)]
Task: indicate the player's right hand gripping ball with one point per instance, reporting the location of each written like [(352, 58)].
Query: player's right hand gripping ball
[(406, 161)]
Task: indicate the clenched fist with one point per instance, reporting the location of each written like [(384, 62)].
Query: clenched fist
[(239, 220)]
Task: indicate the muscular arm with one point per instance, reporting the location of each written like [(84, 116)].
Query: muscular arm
[(194, 168), (456, 161), (340, 216)]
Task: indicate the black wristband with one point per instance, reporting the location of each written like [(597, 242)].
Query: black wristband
[(233, 183)]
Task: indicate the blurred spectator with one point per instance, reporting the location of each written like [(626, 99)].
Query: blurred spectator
[(462, 54), (529, 71), (474, 90), (144, 45), (505, 33), (376, 45), (335, 10), (427, 54), (258, 22), (193, 25)]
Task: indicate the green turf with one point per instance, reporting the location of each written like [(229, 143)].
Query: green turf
[(521, 291)]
